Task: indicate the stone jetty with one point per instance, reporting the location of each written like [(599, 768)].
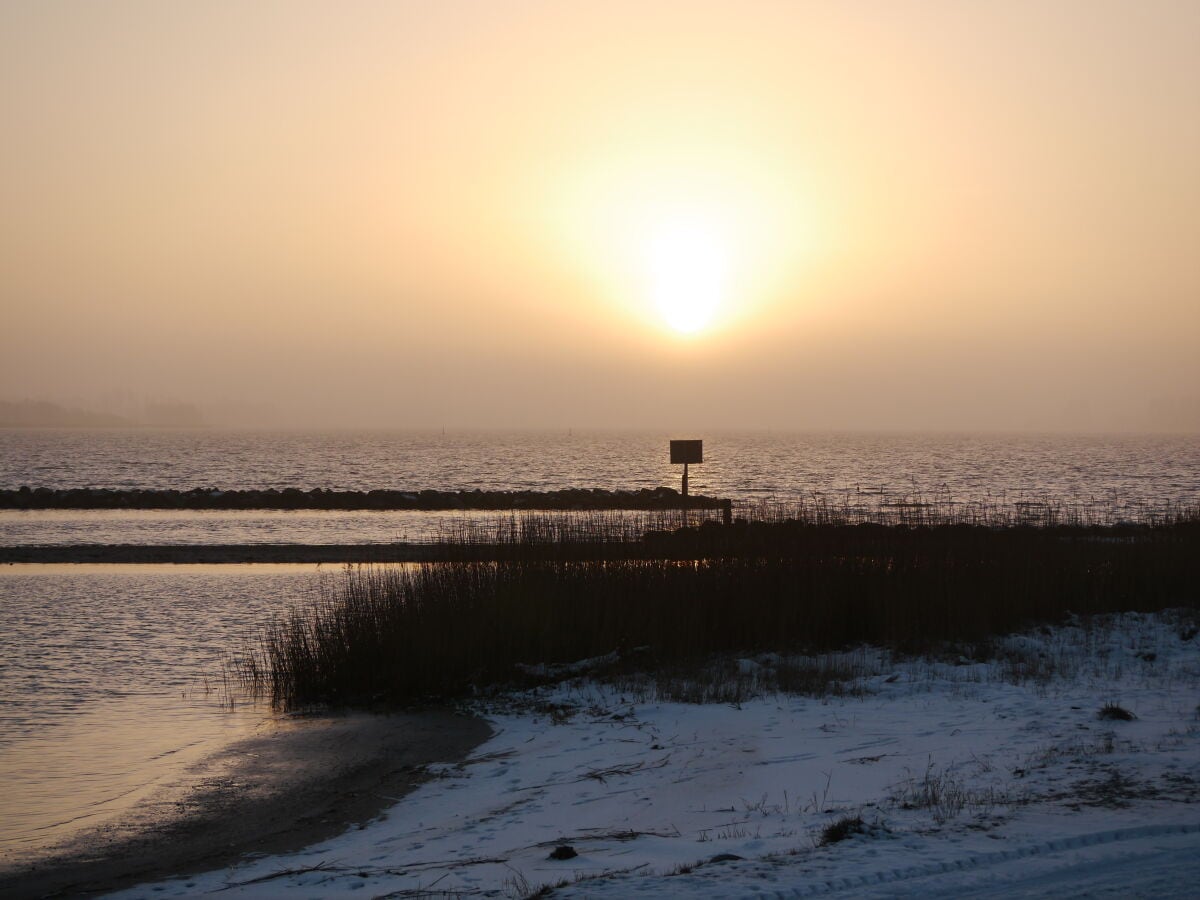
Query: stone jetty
[(571, 499)]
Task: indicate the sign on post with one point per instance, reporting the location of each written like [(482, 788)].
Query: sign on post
[(686, 452)]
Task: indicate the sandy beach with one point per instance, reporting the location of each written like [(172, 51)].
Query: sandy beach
[(294, 783)]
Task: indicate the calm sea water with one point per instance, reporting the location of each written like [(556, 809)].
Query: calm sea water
[(269, 526), (111, 683), (107, 673), (738, 465), (1130, 470)]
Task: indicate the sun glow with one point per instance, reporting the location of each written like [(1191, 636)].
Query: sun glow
[(687, 271), (686, 235)]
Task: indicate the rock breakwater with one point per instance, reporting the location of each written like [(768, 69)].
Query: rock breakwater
[(572, 499)]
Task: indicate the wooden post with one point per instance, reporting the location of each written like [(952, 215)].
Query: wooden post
[(682, 453)]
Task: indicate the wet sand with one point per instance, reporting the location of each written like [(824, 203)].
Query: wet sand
[(284, 789)]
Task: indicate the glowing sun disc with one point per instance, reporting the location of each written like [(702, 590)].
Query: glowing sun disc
[(687, 270)]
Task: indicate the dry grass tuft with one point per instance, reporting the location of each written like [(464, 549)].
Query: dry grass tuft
[(450, 629)]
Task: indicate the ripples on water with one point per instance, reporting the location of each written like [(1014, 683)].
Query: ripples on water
[(102, 693), (110, 682), (1127, 471), (1147, 468), (267, 526)]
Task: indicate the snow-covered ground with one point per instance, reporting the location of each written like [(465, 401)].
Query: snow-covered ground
[(979, 779)]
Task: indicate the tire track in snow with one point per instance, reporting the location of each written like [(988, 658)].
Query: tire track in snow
[(978, 861)]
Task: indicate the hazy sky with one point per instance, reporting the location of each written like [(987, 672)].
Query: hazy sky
[(779, 214)]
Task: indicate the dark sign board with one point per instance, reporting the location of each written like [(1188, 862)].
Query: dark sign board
[(687, 451)]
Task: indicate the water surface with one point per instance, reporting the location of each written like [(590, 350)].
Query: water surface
[(740, 465), (110, 675), (110, 683), (204, 526)]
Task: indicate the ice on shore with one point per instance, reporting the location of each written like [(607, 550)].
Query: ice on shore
[(982, 778)]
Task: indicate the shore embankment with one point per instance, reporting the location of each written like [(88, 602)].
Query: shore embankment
[(707, 540), (571, 499)]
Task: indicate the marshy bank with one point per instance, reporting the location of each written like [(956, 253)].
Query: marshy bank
[(784, 583)]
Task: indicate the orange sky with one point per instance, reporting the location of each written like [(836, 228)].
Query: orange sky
[(875, 214)]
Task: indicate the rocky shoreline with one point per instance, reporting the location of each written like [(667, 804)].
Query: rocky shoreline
[(572, 499)]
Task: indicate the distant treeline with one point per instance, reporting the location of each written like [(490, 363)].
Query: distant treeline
[(319, 498), (43, 414)]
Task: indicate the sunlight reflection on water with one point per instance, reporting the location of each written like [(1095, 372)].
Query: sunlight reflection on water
[(110, 683), (1129, 470), (263, 526), (103, 668), (741, 465)]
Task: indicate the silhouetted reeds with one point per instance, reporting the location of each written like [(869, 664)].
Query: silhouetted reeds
[(609, 527), (559, 590), (940, 507)]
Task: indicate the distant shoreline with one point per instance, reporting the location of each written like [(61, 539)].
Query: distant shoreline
[(103, 426)]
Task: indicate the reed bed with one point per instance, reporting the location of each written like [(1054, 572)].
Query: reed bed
[(552, 528), (857, 507), (941, 507), (682, 590)]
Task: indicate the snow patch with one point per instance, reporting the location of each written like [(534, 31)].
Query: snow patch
[(989, 778)]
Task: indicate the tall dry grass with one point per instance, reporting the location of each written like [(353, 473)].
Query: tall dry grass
[(557, 591)]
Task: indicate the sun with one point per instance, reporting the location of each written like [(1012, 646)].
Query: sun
[(685, 242), (687, 270)]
